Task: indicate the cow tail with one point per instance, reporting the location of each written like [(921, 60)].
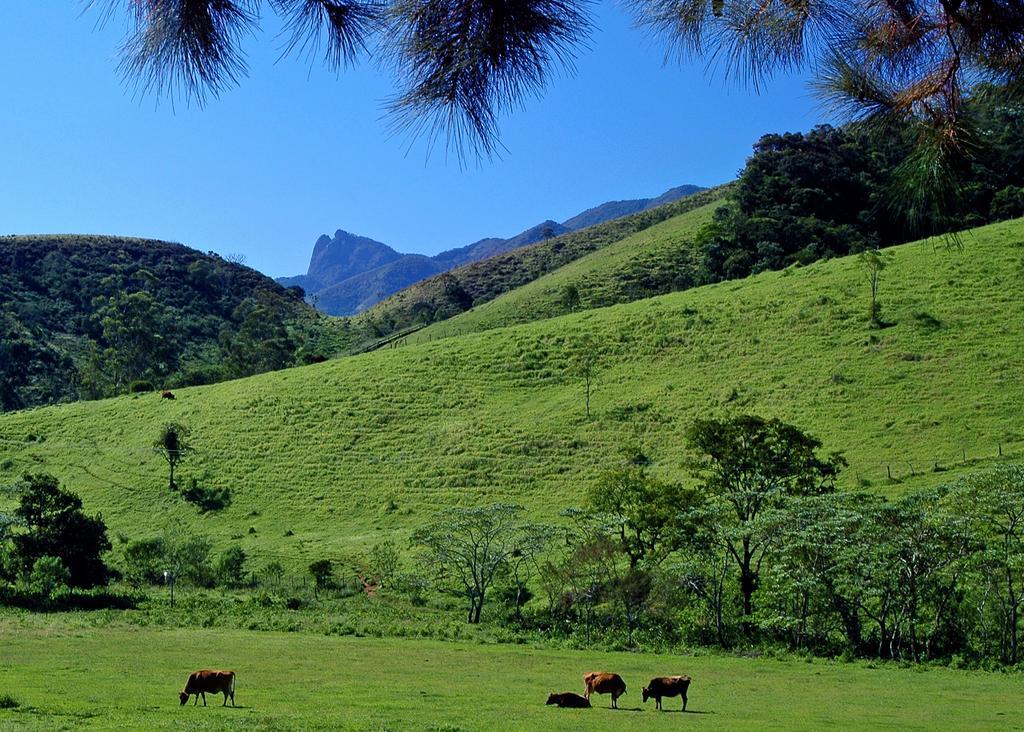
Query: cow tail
[(232, 688)]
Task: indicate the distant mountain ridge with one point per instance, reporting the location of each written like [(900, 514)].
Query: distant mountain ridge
[(350, 273)]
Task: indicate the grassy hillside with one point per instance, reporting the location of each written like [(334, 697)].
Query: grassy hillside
[(75, 679), (657, 260), (329, 458), (456, 291)]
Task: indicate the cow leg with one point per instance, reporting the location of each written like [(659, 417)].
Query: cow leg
[(225, 699), (204, 698), (196, 701), (684, 701), (657, 702)]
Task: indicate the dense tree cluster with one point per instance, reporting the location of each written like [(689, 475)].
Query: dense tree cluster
[(830, 192), (97, 316)]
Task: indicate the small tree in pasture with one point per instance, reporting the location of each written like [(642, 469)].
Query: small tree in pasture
[(172, 444), (322, 571), (585, 365), (383, 562), (873, 261)]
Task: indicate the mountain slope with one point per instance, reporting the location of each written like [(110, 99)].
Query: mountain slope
[(454, 292), (654, 261), (324, 458), (332, 280), (615, 209), (338, 259)]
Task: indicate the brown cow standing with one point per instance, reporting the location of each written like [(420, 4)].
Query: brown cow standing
[(667, 686), (209, 681), (569, 700), (602, 682)]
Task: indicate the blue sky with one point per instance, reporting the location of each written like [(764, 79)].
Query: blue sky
[(296, 151)]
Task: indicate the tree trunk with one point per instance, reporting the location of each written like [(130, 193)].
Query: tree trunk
[(748, 583)]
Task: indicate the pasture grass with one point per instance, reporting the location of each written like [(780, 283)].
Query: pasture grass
[(117, 678), (638, 266), (325, 460)]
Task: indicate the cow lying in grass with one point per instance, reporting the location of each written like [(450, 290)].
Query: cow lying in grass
[(206, 682), (602, 682), (569, 700), (667, 686)]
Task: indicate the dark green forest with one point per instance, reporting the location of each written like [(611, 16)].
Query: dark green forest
[(92, 316)]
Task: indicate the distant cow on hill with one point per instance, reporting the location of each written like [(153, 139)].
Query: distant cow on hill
[(667, 686), (602, 682), (167, 395), (569, 700), (208, 681)]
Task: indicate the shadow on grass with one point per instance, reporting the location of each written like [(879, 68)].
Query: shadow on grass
[(683, 711)]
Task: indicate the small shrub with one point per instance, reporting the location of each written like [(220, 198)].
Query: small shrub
[(140, 387), (231, 567), (8, 702), (294, 603), (927, 321), (48, 577), (206, 499)]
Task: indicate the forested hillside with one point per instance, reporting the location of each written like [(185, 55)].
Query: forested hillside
[(91, 316)]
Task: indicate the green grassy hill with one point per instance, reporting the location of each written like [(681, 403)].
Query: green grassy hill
[(329, 458), (456, 291), (653, 261)]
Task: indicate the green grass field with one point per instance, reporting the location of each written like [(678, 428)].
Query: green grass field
[(328, 459), (116, 678), (642, 263)]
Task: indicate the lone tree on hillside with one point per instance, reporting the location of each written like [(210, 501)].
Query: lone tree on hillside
[(749, 466), (873, 262), (466, 548), (53, 525), (586, 364), (172, 444), (460, 64)]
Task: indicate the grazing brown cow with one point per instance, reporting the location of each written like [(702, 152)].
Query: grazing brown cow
[(167, 395), (209, 681), (602, 682), (569, 700), (667, 686)]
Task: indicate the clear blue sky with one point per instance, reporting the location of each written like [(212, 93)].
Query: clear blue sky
[(296, 151)]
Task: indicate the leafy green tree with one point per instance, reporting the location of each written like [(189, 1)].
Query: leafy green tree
[(48, 575), (383, 562), (647, 518), (53, 525), (467, 548), (750, 466), (172, 444), (262, 341), (231, 567), (992, 503), (138, 337), (322, 571)]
